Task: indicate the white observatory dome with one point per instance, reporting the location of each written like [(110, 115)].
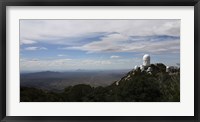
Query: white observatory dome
[(137, 67), (141, 67), (146, 57), (146, 60), (167, 69)]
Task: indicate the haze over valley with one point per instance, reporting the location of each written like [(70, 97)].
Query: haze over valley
[(57, 81)]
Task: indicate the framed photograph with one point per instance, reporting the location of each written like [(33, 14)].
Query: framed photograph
[(99, 60)]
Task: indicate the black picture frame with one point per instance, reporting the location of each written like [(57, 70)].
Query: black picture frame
[(5, 3)]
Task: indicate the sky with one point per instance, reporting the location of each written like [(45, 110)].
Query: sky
[(62, 45)]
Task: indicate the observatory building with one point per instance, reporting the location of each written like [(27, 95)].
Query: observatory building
[(146, 60), (146, 64)]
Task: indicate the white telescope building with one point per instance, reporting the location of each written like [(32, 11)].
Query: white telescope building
[(146, 60)]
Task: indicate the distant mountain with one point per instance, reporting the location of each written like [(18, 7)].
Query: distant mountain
[(153, 84), (80, 70), (49, 80), (43, 74)]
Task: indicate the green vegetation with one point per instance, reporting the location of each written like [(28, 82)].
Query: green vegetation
[(136, 86)]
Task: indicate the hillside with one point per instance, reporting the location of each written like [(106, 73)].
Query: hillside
[(155, 85)]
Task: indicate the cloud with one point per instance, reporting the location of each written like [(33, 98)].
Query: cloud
[(96, 62), (44, 63), (35, 48), (122, 43), (27, 42), (66, 31), (116, 37), (114, 56), (61, 55), (110, 43), (42, 48), (72, 64)]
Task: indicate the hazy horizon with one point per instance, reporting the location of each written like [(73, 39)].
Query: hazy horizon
[(74, 70)]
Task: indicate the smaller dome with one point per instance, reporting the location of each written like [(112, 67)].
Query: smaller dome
[(149, 69), (136, 67), (146, 57), (142, 67)]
